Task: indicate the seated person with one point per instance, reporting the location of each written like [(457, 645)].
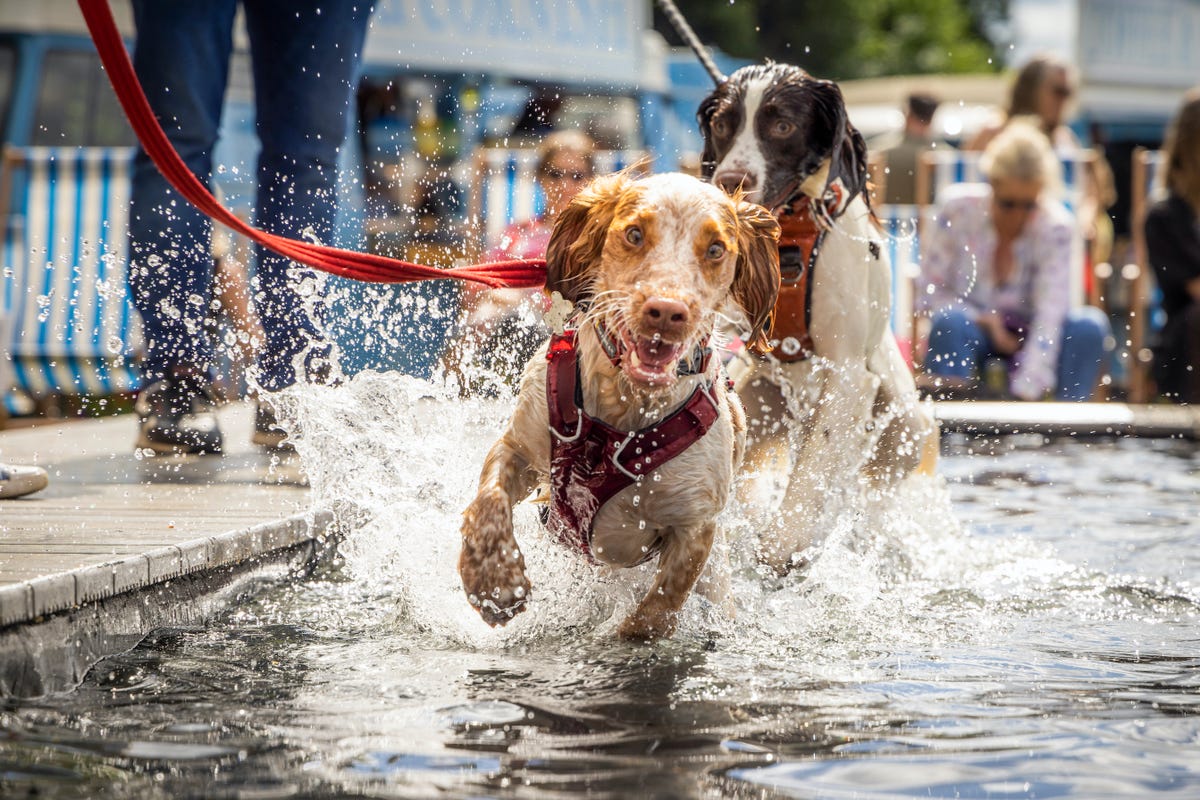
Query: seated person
[(1173, 245), (505, 325), (1041, 93), (996, 277)]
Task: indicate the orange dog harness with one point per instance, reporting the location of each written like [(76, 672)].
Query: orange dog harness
[(803, 226), (800, 240)]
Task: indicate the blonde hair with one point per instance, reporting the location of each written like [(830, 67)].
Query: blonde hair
[(566, 141), (1183, 151), (1022, 152)]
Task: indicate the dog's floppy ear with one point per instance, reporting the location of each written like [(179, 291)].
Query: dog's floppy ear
[(756, 280), (707, 154), (704, 115), (851, 158), (578, 236), (848, 155)]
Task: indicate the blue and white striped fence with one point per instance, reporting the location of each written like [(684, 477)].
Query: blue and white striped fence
[(948, 167), (901, 223)]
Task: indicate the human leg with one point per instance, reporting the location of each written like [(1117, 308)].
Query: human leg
[(1083, 352), (181, 57), (305, 59), (1190, 370), (956, 345)]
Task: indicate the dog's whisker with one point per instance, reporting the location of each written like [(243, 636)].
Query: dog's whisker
[(614, 311), (600, 312)]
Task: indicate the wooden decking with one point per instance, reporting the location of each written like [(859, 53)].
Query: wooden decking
[(111, 522)]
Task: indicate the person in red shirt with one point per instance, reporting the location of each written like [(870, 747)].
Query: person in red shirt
[(505, 325)]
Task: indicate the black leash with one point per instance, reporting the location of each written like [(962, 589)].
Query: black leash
[(689, 36)]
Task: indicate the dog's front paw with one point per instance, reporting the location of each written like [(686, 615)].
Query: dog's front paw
[(491, 565), (646, 624)]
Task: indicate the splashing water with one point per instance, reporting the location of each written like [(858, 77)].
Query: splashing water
[(1023, 626), (400, 458)]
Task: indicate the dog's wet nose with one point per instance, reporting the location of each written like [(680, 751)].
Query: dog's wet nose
[(664, 316), (731, 180)]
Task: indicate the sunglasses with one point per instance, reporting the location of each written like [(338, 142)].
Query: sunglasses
[(1008, 204), (556, 174), (1063, 91)]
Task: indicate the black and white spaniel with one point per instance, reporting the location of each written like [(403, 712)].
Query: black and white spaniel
[(782, 138)]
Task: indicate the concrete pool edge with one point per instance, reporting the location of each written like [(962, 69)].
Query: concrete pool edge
[(56, 627), (1107, 419)]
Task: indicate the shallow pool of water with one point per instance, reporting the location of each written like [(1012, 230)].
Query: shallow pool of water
[(1023, 626)]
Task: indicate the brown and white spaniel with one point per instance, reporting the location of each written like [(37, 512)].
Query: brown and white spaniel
[(777, 136), (625, 415)]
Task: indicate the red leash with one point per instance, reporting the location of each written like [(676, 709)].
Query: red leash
[(516, 274)]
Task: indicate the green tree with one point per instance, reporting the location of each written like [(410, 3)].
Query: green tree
[(853, 38)]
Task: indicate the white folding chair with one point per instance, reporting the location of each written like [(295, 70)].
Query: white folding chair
[(69, 325)]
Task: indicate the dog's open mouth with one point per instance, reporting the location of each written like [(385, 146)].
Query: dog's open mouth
[(649, 359)]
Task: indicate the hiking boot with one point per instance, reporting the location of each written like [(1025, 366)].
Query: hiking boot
[(267, 432), (19, 481), (178, 415)]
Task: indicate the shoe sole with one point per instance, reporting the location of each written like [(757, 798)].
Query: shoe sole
[(272, 440), (19, 488), (167, 449)]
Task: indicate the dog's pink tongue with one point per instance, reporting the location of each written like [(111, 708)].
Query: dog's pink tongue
[(655, 355)]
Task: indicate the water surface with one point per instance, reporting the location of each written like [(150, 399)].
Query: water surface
[(1022, 626)]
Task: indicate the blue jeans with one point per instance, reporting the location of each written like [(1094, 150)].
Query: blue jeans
[(304, 65), (957, 347)]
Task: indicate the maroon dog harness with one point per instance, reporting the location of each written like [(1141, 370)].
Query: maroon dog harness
[(590, 461)]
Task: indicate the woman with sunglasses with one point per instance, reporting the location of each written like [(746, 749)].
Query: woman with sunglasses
[(1041, 93), (505, 325), (996, 278)]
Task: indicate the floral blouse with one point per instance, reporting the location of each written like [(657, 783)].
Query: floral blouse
[(956, 269)]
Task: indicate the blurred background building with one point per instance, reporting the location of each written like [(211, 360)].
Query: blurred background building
[(444, 83)]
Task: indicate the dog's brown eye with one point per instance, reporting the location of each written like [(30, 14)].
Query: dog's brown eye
[(716, 251), (781, 127), (633, 235), (720, 128)]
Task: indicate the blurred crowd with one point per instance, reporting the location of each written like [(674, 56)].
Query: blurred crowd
[(1010, 296), (998, 311)]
